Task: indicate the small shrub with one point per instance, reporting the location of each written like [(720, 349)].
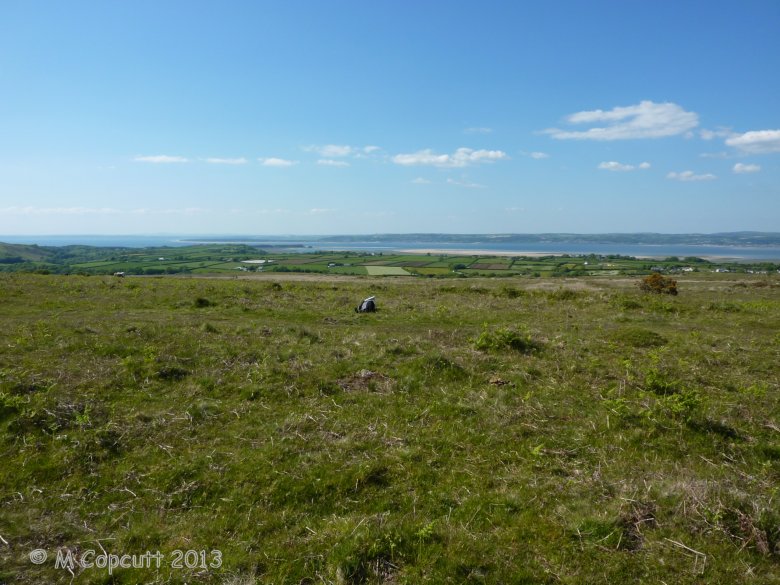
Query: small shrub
[(640, 338), (510, 292), (724, 307), (506, 338), (655, 283), (562, 294), (684, 404), (202, 302), (657, 383), (172, 373), (623, 302)]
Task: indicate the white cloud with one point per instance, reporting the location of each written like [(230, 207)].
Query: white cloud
[(741, 168), (277, 162), (690, 176), (539, 155), (330, 151), (226, 161), (329, 162), (334, 150), (478, 130), (320, 210), (620, 167), (161, 159), (711, 134), (644, 120), (460, 158), (420, 181), (465, 183), (756, 141)]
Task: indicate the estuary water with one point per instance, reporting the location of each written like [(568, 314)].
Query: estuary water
[(310, 244)]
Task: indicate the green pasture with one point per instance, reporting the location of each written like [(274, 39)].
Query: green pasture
[(386, 271)]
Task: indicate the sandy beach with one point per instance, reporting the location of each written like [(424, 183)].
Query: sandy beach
[(449, 252)]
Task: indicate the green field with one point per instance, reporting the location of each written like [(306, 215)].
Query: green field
[(470, 431), (386, 271), (230, 259)]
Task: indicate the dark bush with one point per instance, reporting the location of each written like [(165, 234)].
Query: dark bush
[(655, 283)]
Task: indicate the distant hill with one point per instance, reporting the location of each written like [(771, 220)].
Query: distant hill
[(17, 253)]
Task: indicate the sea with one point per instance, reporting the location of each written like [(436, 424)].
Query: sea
[(304, 244)]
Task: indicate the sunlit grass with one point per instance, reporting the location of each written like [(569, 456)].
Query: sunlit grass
[(469, 431)]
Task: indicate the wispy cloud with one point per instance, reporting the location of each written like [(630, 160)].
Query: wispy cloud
[(170, 211), (620, 167), (741, 168), (690, 176), (460, 158), (330, 151), (644, 120), (226, 161), (465, 183), (478, 130), (32, 210), (161, 159), (333, 150), (277, 211), (329, 162), (320, 210), (420, 181), (756, 141), (277, 162), (535, 155), (705, 134), (378, 214)]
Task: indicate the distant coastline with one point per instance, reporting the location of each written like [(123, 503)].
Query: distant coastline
[(738, 246)]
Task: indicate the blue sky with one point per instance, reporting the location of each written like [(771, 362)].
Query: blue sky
[(315, 117)]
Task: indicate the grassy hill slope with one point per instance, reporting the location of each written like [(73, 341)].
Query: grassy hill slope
[(24, 253), (475, 431)]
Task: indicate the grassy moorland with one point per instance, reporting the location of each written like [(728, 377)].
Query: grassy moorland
[(471, 431)]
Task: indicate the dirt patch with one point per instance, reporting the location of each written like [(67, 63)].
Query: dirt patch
[(640, 517), (366, 381)]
